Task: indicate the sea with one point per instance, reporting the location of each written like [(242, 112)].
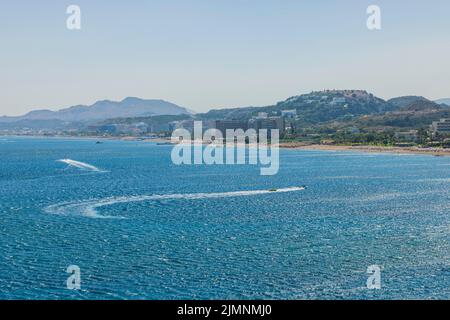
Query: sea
[(136, 226)]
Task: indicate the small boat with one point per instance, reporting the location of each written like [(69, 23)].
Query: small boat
[(164, 143), (99, 142), (273, 190)]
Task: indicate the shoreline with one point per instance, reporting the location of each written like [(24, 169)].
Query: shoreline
[(437, 152)]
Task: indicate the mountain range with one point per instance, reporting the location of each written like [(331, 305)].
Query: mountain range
[(320, 109), (102, 110)]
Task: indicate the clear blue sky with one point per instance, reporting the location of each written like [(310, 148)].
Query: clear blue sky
[(205, 54)]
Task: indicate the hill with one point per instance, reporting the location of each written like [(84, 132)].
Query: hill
[(409, 112), (402, 102), (315, 107)]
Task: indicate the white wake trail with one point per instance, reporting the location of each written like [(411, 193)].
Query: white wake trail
[(88, 208), (80, 165)]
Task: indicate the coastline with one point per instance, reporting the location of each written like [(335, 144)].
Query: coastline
[(437, 152)]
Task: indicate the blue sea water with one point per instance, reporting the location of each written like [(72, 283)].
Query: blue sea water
[(137, 231)]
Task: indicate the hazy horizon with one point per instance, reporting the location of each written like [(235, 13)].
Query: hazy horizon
[(209, 55)]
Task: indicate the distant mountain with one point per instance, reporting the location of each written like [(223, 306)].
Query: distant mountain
[(444, 101), (102, 110), (315, 110)]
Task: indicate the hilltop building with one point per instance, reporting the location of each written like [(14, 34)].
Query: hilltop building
[(289, 113), (338, 101)]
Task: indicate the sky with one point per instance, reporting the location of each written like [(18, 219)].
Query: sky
[(205, 54)]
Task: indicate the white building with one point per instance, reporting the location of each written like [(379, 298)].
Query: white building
[(262, 115), (289, 113), (338, 101), (441, 127)]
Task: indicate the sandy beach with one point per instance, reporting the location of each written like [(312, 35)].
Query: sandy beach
[(374, 149)]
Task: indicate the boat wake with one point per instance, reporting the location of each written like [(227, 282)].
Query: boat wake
[(80, 165), (88, 208)]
